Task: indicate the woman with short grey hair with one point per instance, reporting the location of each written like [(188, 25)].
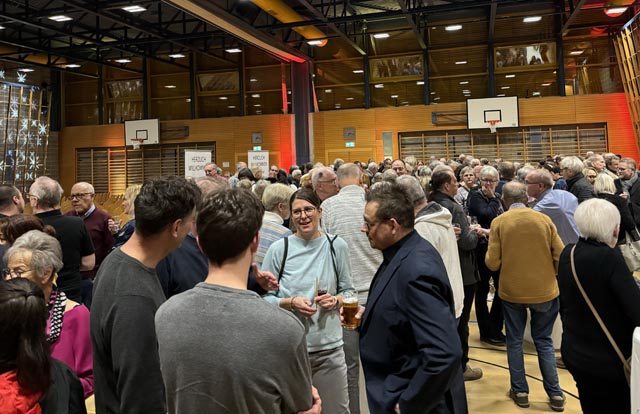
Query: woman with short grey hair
[(37, 256), (467, 181), (611, 288)]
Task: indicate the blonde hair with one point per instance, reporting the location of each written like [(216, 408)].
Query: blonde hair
[(604, 184)]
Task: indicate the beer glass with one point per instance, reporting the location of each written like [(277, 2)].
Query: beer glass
[(349, 310)]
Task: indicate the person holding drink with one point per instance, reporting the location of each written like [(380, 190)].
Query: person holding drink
[(307, 263)]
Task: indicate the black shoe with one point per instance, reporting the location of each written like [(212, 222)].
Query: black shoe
[(493, 341)]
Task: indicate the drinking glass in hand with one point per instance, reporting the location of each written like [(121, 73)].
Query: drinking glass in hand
[(349, 310)]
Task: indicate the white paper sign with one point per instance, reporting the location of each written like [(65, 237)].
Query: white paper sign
[(194, 162), (259, 159)]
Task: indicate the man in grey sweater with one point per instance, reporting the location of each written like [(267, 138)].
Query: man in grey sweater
[(223, 348)]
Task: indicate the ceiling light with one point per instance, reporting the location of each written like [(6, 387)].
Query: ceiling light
[(60, 18), (134, 9), (378, 86), (231, 107), (436, 99), (319, 100), (328, 91), (433, 93), (461, 62), (466, 91), (257, 105), (536, 94), (253, 80), (381, 35), (576, 52), (176, 56), (546, 84), (25, 70), (394, 96), (509, 76), (500, 95), (464, 82), (615, 11), (71, 66), (532, 19), (453, 27), (350, 98), (258, 112), (2, 27), (358, 71), (233, 50), (188, 99), (255, 95), (505, 87), (170, 86), (288, 92), (420, 83), (123, 60), (314, 42), (223, 98)]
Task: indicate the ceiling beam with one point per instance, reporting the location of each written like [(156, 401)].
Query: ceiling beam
[(332, 26), (412, 23), (572, 16)]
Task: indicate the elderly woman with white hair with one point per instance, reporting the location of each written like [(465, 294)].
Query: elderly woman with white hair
[(610, 287), (37, 256)]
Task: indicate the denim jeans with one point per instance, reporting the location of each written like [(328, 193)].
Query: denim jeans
[(543, 316)]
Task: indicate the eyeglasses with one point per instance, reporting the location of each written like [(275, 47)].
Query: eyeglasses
[(30, 196), (308, 211), (14, 272), (78, 196), (488, 181), (369, 226)]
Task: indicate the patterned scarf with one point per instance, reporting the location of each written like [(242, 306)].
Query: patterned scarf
[(56, 306)]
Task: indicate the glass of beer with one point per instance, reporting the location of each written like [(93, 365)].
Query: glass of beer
[(349, 310)]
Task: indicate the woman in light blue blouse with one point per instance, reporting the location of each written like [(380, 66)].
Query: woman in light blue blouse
[(306, 264)]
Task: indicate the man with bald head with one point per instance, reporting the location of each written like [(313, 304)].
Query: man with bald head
[(324, 182)]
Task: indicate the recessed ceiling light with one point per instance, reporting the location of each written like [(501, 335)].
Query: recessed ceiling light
[(536, 94), (555, 71), (2, 27), (319, 100), (500, 95), (453, 27), (314, 42), (176, 56), (505, 87), (466, 91), (231, 107), (253, 80), (170, 86), (257, 105), (381, 35), (350, 98), (464, 82), (328, 91), (134, 9), (546, 84), (337, 106), (358, 71), (509, 76), (71, 66), (615, 11), (378, 86), (433, 93), (420, 83), (123, 60), (532, 19), (25, 70), (436, 99), (60, 18), (233, 50), (404, 103), (223, 98), (576, 52), (188, 99), (394, 96), (461, 62), (255, 95), (288, 92)]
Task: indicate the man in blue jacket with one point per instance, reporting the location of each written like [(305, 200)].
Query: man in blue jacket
[(409, 346)]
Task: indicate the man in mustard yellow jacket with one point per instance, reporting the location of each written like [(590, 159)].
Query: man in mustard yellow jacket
[(525, 247)]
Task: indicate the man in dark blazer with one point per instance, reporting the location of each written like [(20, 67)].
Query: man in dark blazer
[(409, 346)]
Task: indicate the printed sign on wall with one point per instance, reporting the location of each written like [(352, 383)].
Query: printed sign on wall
[(194, 162)]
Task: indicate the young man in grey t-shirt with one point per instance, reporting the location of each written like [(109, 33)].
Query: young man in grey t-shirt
[(221, 345)]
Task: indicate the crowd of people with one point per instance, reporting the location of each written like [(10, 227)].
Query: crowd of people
[(228, 294)]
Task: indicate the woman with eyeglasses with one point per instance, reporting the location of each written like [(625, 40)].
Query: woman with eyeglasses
[(37, 256), (467, 181), (590, 174), (485, 204), (31, 382), (313, 271)]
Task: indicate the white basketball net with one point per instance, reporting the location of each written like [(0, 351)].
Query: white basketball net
[(492, 126)]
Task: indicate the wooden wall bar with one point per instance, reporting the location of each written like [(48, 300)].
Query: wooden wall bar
[(233, 135)]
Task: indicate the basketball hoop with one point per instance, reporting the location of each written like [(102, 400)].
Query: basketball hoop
[(493, 125), (137, 143)]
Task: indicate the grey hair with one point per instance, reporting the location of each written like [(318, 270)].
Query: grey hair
[(413, 188), (630, 162), (597, 219), (275, 194), (543, 176), (209, 184), (296, 173), (573, 164), (45, 251), (260, 186), (89, 187), (372, 165), (604, 184), (522, 173), (489, 171), (515, 191), (48, 191), (318, 173), (348, 171)]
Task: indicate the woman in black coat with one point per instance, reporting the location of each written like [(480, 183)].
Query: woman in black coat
[(605, 188), (603, 273)]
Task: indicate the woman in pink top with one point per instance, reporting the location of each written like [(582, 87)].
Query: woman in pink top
[(37, 256)]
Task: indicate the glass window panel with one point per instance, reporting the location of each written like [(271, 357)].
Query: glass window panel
[(471, 33), (506, 27), (263, 103), (345, 97), (458, 61), (81, 92), (458, 89), (218, 82), (124, 89), (398, 42), (339, 72), (267, 78), (397, 94), (81, 115), (214, 107), (527, 84), (170, 109), (166, 86)]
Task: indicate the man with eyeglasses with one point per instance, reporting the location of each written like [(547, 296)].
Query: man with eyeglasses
[(100, 226), (210, 169), (77, 248), (324, 182)]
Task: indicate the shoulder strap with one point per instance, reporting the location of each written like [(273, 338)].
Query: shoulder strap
[(333, 259), (595, 312), (284, 258)]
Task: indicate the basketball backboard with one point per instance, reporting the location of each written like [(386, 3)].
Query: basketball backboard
[(502, 112), (142, 132)]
